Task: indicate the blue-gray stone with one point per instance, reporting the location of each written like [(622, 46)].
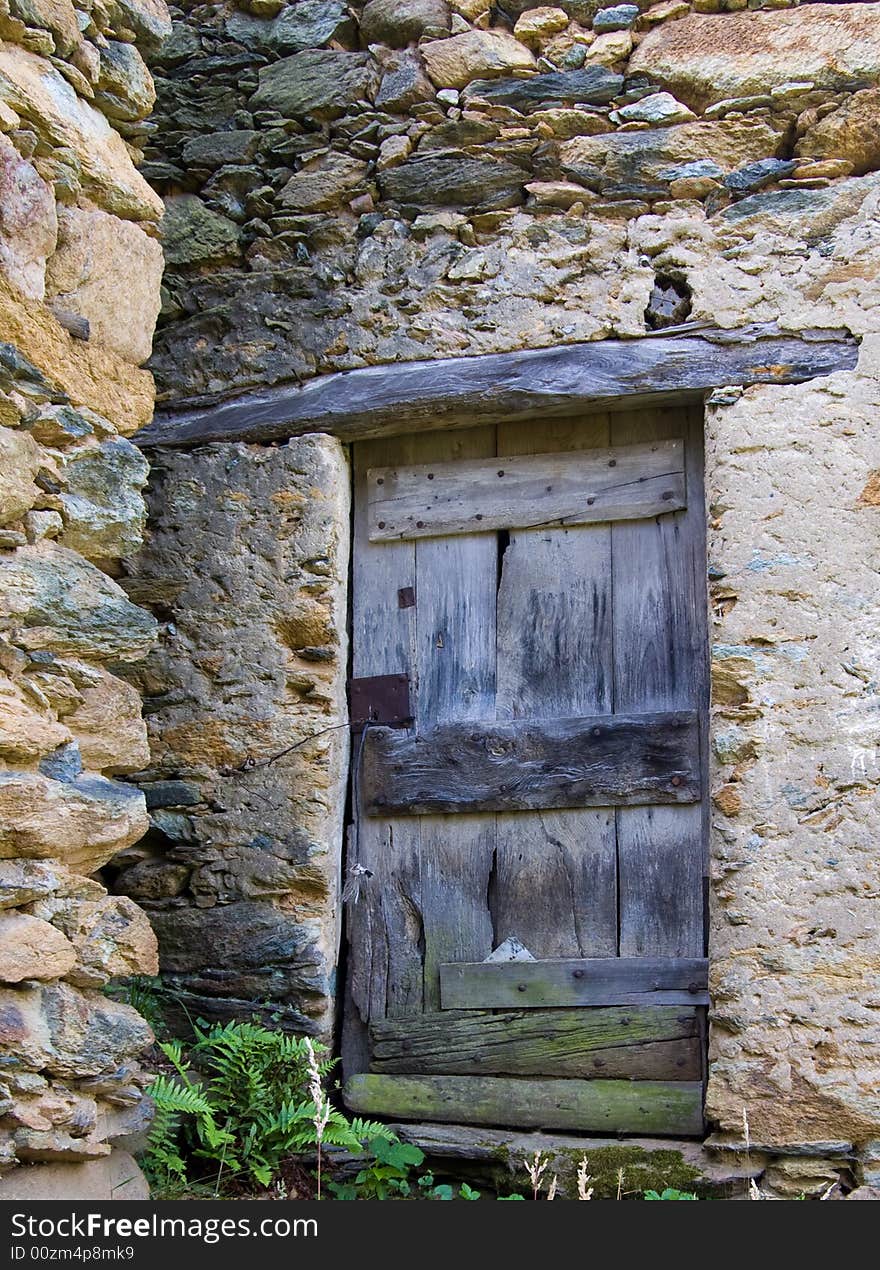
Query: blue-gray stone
[(688, 171), (620, 17), (64, 764), (592, 86), (754, 176), (170, 794)]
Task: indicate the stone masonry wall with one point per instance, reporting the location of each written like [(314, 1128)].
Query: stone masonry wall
[(80, 265), (357, 184), (247, 566)]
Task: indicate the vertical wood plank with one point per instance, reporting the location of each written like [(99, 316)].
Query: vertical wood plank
[(455, 665), (660, 664), (554, 885), (384, 923)]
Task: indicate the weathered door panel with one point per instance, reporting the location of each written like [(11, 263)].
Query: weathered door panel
[(503, 630)]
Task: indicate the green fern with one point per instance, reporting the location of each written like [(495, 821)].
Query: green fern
[(246, 1111)]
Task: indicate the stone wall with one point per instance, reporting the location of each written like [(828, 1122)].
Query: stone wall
[(247, 564), (349, 185), (80, 265)]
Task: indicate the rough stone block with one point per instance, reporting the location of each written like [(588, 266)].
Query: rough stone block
[(103, 507), (20, 461), (91, 376), (705, 58), (69, 606), (37, 91), (82, 823), (455, 62), (108, 271), (63, 1032), (115, 1177), (317, 84), (28, 225), (32, 949)]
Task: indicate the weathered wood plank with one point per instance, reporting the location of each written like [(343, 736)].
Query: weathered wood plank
[(660, 655), (384, 922), (555, 880), (455, 667), (494, 387), (609, 1106), (601, 761), (575, 982), (526, 491), (651, 1042)]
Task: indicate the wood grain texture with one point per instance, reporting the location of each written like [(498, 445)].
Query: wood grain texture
[(526, 491), (384, 925), (455, 667), (595, 762), (575, 982), (555, 879), (660, 660), (495, 387), (650, 1042), (592, 1106)]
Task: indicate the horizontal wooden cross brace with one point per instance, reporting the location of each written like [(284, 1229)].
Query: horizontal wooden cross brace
[(607, 760)]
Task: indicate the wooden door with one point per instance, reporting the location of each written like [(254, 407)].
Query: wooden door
[(542, 586)]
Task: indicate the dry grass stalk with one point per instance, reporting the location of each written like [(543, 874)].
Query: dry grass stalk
[(554, 1186), (322, 1104), (754, 1192), (536, 1168), (585, 1191)]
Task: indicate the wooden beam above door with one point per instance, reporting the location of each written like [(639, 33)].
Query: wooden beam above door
[(374, 401)]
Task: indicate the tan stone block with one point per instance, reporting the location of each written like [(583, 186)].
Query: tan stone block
[(323, 184), (115, 1177), (108, 726), (610, 48), (643, 155), (82, 823), (698, 187), (58, 17), (20, 461), (111, 937), (831, 168), (28, 227), (90, 375), (453, 63), (870, 495), (728, 800), (32, 949), (108, 271), (39, 93), (667, 11), (851, 133), (535, 26), (557, 193), (565, 123), (705, 59), (26, 733)]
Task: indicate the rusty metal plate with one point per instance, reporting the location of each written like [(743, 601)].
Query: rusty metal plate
[(381, 699)]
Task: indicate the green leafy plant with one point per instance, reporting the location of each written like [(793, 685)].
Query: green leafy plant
[(386, 1174), (240, 1100), (146, 994), (669, 1193)]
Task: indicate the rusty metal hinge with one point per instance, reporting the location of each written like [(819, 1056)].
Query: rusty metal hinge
[(380, 699)]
